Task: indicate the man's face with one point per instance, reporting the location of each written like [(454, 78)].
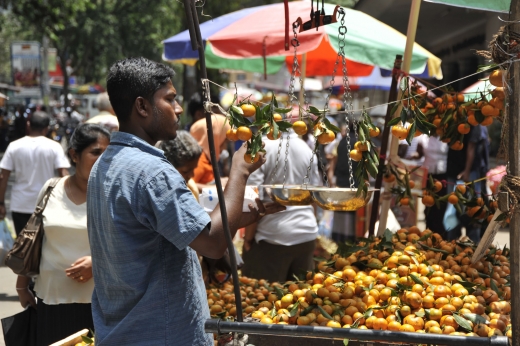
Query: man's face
[(166, 112)]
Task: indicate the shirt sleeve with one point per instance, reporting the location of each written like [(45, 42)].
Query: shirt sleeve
[(475, 134), (60, 160), (171, 210), (7, 161)]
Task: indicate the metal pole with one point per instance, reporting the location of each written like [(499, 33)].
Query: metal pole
[(514, 170), (407, 61), (196, 43), (219, 326), (374, 212)]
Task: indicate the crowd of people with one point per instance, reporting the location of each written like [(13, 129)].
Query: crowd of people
[(124, 231)]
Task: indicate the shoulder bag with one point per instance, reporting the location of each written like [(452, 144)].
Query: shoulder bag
[(24, 257)]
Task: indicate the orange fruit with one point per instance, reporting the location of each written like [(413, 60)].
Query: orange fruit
[(495, 78), (277, 117), (248, 109), (249, 159), (463, 128), (232, 135), (326, 137), (487, 121), (360, 146), (428, 201), (356, 155), (437, 186), (405, 201), (461, 188), (472, 120), (244, 133), (400, 131), (270, 134), (374, 132), (458, 145), (300, 127)]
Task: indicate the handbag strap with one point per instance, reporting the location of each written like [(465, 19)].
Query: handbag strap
[(45, 198)]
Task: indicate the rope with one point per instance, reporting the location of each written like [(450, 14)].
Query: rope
[(393, 102)]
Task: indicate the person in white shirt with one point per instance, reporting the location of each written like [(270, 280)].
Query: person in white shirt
[(106, 116), (282, 244), (65, 285), (34, 159)]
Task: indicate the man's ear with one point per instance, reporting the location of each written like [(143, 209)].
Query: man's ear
[(142, 106)]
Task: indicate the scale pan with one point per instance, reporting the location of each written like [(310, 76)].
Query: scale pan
[(289, 195), (339, 199)]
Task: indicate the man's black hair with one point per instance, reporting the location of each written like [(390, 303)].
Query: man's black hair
[(131, 78), (39, 121)]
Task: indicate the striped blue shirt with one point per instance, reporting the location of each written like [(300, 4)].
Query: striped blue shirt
[(141, 220)]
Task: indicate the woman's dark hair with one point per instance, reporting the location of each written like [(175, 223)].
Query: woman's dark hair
[(181, 150), (85, 135), (131, 78)]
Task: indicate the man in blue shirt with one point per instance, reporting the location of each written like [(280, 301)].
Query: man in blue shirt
[(144, 224)]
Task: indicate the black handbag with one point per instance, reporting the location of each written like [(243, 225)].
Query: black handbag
[(20, 329), (24, 257)]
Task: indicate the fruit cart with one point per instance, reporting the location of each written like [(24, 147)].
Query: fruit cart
[(428, 280)]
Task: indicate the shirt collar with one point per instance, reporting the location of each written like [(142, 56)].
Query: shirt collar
[(127, 139)]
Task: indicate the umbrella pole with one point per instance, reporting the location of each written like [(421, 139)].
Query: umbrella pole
[(514, 170), (407, 61), (196, 43), (301, 97), (392, 97)]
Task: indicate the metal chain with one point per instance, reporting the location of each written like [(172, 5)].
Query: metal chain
[(351, 177), (347, 92), (274, 174), (325, 177), (306, 179), (286, 156)]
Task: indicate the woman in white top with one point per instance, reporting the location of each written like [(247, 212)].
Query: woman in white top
[(64, 286)]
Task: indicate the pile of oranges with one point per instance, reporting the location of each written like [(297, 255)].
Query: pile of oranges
[(409, 281)]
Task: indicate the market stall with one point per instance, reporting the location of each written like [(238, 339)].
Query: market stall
[(385, 287)]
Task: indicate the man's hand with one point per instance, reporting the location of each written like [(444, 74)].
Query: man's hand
[(26, 297), (255, 214), (81, 270), (464, 176), (246, 167)]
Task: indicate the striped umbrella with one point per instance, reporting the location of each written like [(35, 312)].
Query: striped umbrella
[(253, 39)]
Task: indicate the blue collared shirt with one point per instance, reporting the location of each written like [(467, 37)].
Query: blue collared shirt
[(141, 220)]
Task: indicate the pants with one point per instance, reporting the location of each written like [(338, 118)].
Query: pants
[(20, 220), (278, 262), (56, 322)]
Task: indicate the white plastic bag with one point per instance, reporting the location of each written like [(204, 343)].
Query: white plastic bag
[(6, 241), (208, 198)]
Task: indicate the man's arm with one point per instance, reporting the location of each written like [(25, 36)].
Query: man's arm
[(249, 236), (211, 242), (3, 187)]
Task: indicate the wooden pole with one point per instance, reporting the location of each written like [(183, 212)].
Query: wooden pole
[(407, 62), (392, 97), (514, 170)]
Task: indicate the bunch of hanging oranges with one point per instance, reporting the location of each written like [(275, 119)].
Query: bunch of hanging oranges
[(409, 281)]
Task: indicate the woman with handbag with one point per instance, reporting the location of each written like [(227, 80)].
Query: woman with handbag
[(64, 285)]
